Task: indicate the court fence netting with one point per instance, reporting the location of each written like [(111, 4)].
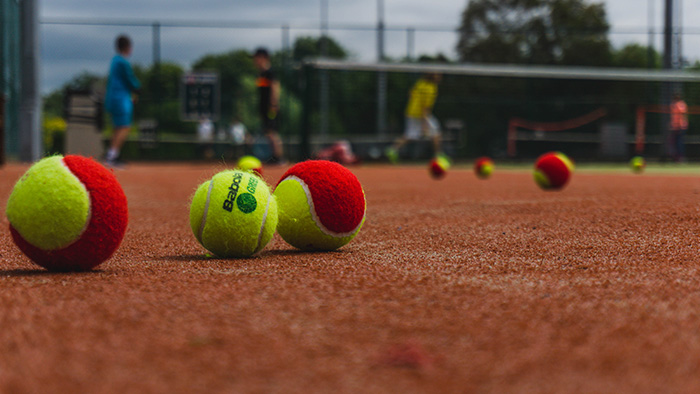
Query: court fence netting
[(504, 111), (10, 47)]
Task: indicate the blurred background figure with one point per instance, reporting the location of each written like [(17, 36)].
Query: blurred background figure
[(679, 127), (269, 95), (240, 138), (122, 87), (205, 136), (420, 121), (340, 152)]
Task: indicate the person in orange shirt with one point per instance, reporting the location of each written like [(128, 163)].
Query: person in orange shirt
[(679, 126)]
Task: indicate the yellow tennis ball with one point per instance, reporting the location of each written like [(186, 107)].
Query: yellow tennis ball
[(250, 163), (638, 164), (233, 214), (67, 213), (322, 205)]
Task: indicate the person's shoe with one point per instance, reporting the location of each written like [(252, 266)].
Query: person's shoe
[(279, 162), (115, 164), (392, 154)]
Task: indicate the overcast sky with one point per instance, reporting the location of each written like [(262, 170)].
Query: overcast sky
[(69, 49)]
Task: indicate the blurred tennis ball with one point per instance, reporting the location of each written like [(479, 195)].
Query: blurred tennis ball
[(553, 170), (439, 166), (483, 167), (638, 164), (250, 163)]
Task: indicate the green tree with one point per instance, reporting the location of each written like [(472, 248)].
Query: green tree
[(53, 102), (233, 67), (159, 96), (570, 32), (636, 56), (310, 47)]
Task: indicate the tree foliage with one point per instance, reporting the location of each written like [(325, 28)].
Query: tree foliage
[(310, 47), (567, 32)]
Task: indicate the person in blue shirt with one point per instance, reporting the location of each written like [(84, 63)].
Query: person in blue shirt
[(122, 87)]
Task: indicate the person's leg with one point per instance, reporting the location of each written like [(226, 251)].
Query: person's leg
[(411, 132), (680, 145), (121, 119), (399, 143), (276, 144), (437, 144)]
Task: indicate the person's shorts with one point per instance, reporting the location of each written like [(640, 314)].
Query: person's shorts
[(414, 128), (122, 111)]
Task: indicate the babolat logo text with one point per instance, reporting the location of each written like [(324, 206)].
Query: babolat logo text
[(233, 192)]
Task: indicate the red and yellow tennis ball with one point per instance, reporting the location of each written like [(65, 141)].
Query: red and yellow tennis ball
[(483, 167), (438, 167), (553, 170), (638, 164), (321, 205), (67, 213), (250, 163), (233, 214)]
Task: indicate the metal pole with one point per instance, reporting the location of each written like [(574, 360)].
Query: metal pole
[(324, 28), (667, 86), (650, 44), (410, 42), (668, 35), (381, 76), (679, 35), (286, 80), (30, 107), (156, 71), (325, 91)]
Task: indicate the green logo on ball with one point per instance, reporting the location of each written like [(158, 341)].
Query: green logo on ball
[(246, 203)]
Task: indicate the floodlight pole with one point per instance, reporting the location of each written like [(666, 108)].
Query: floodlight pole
[(381, 76), (30, 146)]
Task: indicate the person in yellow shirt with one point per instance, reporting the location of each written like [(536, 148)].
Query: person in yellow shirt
[(420, 121)]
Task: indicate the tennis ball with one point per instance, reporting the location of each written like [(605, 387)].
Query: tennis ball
[(483, 167), (322, 205), (67, 213), (553, 170), (250, 163), (638, 164), (233, 214), (438, 167)]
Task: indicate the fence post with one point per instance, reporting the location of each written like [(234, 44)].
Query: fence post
[(305, 140), (2, 129)]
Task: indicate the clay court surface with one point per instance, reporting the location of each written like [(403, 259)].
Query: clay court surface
[(457, 285)]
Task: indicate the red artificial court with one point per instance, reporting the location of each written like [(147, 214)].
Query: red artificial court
[(457, 285)]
